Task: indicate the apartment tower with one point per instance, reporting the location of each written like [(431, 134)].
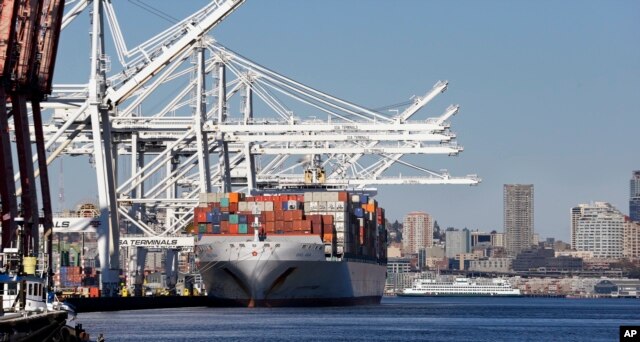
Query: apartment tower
[(417, 232), (518, 217)]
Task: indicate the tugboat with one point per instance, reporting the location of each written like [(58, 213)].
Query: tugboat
[(29, 311)]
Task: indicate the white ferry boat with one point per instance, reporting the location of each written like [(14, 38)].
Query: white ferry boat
[(460, 287)]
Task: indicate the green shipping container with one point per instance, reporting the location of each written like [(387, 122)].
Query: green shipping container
[(233, 218), (202, 228), (242, 228), (224, 202)]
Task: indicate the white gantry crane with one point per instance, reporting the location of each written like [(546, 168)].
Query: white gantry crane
[(235, 125)]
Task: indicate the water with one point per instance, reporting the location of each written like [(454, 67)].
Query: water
[(396, 319)]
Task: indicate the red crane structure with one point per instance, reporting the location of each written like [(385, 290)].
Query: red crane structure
[(29, 35)]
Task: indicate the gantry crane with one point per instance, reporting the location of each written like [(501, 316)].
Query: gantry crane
[(236, 125)]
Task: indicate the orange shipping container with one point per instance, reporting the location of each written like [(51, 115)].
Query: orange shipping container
[(234, 197), (327, 238), (233, 228)]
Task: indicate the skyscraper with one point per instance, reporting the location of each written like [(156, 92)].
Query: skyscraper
[(518, 217), (634, 198), (599, 229), (417, 232)]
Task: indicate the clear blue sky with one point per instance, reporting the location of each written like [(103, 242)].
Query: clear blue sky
[(549, 90)]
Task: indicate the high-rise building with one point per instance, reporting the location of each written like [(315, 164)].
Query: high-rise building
[(634, 198), (518, 217), (417, 232), (457, 242), (598, 229), (631, 238)]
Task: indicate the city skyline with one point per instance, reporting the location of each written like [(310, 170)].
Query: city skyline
[(548, 97)]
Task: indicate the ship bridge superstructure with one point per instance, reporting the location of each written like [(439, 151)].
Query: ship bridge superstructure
[(188, 115)]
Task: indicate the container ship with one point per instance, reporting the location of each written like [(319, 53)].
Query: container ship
[(304, 249)]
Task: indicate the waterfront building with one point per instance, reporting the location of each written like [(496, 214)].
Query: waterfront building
[(544, 259), (457, 242), (598, 229), (417, 232), (634, 196), (518, 217), (631, 238), (399, 275), (491, 265)]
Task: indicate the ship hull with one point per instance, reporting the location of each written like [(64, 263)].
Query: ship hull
[(285, 273)]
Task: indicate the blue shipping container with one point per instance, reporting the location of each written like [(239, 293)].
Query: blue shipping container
[(358, 212)]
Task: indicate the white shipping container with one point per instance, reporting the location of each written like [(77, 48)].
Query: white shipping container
[(331, 206), (355, 198), (308, 196), (203, 197), (340, 237), (340, 205), (340, 226), (339, 216), (292, 205), (322, 205), (268, 206), (242, 206), (328, 249), (313, 206), (317, 196), (339, 250), (332, 196)]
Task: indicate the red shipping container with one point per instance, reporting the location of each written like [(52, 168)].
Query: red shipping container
[(316, 228), (270, 216), (297, 214), (233, 207), (343, 196), (300, 198), (297, 224), (288, 215), (270, 227), (279, 216), (327, 219), (224, 227), (327, 229), (288, 226), (305, 225)]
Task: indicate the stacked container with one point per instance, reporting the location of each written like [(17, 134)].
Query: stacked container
[(70, 276), (351, 225)]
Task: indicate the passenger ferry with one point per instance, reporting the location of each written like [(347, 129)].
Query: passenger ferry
[(460, 287)]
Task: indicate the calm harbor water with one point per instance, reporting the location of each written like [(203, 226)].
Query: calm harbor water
[(396, 319)]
